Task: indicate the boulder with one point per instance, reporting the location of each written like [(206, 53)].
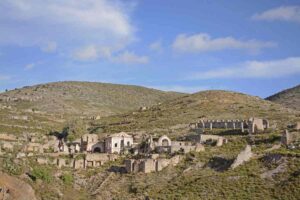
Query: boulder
[(14, 188)]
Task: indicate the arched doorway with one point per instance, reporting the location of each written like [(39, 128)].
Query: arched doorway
[(97, 150), (165, 142)]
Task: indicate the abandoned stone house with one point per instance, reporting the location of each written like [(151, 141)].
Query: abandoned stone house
[(115, 143), (253, 125), (118, 143), (165, 145), (88, 141), (148, 165)]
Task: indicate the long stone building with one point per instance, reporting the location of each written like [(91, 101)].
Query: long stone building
[(253, 125)]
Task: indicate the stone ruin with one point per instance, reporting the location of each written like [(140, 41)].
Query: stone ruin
[(148, 165), (289, 139), (253, 125), (242, 157), (165, 145), (81, 162)]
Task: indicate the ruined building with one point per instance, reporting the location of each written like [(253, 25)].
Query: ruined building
[(253, 125)]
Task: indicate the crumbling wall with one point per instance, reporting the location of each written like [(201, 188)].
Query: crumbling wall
[(242, 157), (148, 165)]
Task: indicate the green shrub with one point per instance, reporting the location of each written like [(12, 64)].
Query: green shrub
[(42, 173), (67, 178)]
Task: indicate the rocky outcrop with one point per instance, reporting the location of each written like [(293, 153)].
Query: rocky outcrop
[(12, 188), (243, 156)]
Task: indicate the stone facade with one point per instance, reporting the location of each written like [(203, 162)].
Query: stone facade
[(87, 141), (118, 143)]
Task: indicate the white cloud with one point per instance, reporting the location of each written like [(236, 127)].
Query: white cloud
[(32, 65), (29, 66), (254, 69), (130, 58), (72, 24), (283, 13), (156, 46), (86, 54), (50, 47), (203, 42), (4, 77), (180, 88)]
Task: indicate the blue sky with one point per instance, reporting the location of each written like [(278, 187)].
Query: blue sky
[(188, 46)]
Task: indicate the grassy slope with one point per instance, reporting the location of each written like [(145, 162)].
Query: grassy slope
[(207, 104), (289, 97), (87, 98)]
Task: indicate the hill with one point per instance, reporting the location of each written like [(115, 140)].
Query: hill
[(289, 98), (194, 178), (213, 104), (85, 98)]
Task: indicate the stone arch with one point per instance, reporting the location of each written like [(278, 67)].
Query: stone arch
[(97, 150), (164, 141)]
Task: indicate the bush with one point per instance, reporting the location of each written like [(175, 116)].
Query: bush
[(42, 173), (67, 178), (11, 167)]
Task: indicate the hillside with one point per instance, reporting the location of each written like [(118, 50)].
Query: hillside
[(194, 178), (289, 98), (84, 98), (190, 108)]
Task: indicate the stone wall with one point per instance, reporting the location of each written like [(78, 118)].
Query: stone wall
[(288, 138), (148, 165), (90, 160), (185, 147), (218, 139)]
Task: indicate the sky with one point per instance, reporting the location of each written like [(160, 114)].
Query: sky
[(188, 46)]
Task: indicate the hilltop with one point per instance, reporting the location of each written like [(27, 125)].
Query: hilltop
[(85, 98), (289, 97)]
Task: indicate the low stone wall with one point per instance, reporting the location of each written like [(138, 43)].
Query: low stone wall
[(89, 160), (8, 137), (219, 139), (185, 147)]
